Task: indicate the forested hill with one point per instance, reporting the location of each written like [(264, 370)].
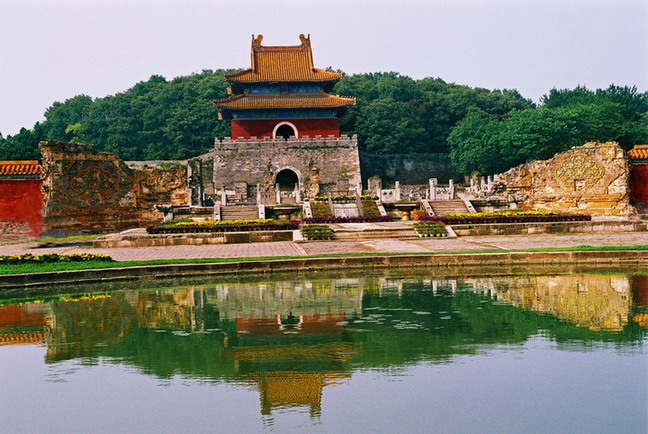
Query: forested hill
[(482, 130)]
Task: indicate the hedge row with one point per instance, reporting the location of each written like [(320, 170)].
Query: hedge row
[(159, 229), (349, 219), (509, 219)]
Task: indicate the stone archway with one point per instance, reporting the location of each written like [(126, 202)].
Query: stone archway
[(284, 130), (287, 180)]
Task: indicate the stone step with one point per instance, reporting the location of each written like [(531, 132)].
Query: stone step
[(399, 234), (233, 212), (443, 207)]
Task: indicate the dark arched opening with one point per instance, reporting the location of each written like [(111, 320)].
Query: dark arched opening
[(287, 180), (285, 131)]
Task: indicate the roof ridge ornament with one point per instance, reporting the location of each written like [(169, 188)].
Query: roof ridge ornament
[(256, 42)]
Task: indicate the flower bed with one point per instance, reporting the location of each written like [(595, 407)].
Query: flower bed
[(459, 219), (203, 227), (190, 223), (317, 232), (28, 258), (344, 198), (430, 229), (349, 219)]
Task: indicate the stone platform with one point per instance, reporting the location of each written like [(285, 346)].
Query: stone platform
[(140, 238), (400, 230), (594, 226)]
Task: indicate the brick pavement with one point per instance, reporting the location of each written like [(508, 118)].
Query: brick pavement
[(367, 246)]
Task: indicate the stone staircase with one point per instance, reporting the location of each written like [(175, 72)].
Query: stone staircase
[(443, 207), (239, 212)]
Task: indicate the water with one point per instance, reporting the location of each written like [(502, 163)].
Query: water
[(405, 352)]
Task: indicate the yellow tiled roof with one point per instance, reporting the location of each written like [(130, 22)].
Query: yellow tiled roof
[(639, 152), (288, 63), (20, 167), (279, 101)]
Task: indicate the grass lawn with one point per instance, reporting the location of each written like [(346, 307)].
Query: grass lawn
[(70, 239), (62, 266)]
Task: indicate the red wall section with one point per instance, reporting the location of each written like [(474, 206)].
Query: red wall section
[(639, 183), (22, 200), (246, 128)]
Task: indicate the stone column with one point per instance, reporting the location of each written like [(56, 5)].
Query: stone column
[(433, 189), (397, 192)]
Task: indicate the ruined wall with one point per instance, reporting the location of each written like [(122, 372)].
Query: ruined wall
[(323, 165), (409, 169), (592, 179), (86, 189)]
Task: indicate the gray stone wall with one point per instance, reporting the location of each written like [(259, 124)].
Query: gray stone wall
[(324, 165), (409, 169)]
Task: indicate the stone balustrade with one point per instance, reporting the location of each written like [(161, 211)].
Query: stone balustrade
[(330, 140)]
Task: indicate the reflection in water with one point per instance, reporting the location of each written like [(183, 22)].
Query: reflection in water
[(290, 339)]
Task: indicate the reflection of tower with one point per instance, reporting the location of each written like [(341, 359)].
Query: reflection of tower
[(640, 298), (290, 389), (289, 338)]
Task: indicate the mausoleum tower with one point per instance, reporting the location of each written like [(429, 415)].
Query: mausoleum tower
[(285, 145), (283, 95)]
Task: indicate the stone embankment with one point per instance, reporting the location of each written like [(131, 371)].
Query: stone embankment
[(440, 261)]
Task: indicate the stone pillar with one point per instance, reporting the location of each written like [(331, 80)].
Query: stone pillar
[(277, 193), (451, 187), (297, 193), (374, 185), (223, 197), (259, 199), (433, 190), (397, 192)]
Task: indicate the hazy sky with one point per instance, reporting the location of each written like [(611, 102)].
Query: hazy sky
[(51, 50)]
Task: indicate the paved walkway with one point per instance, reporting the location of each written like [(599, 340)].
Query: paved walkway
[(368, 246)]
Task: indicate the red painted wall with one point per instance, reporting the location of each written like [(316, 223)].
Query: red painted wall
[(246, 128), (640, 290), (22, 200), (639, 183)]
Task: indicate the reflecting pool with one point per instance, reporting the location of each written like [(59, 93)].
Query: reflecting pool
[(366, 352)]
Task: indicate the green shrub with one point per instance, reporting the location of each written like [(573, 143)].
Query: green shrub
[(370, 209), (317, 232), (430, 229), (321, 209)]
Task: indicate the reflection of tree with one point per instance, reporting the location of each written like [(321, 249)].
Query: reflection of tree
[(595, 302), (78, 328), (292, 338)]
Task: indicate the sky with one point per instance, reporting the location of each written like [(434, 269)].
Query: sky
[(51, 50)]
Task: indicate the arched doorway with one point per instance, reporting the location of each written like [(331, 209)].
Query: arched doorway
[(287, 180), (284, 130)]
